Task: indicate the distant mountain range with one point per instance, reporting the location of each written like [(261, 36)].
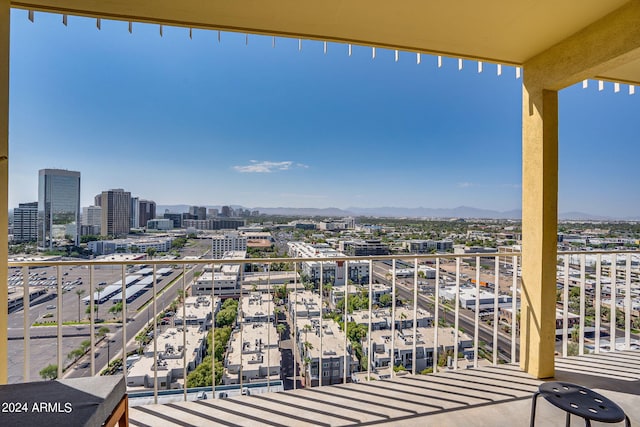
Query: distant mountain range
[(399, 212)]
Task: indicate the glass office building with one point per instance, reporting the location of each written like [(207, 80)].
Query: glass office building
[(58, 206)]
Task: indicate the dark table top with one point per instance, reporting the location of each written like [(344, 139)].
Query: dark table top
[(582, 402)]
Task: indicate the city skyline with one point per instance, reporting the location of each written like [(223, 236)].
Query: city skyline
[(182, 121)]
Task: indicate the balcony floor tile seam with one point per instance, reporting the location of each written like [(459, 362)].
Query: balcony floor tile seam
[(624, 370), (617, 355), (312, 411), (401, 399), (429, 394), (518, 378), (484, 384), (162, 416), (601, 361), (399, 421), (223, 408), (347, 394), (497, 376), (217, 420), (283, 399), (363, 401), (439, 385), (565, 371), (136, 423), (484, 376)]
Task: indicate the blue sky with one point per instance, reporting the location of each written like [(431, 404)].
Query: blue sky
[(197, 121)]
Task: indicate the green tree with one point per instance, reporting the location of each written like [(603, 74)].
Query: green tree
[(75, 353), (103, 331), (151, 252), (225, 317), (201, 376), (280, 328), (115, 309), (386, 300), (49, 372)]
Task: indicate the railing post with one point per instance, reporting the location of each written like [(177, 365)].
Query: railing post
[(345, 322), (627, 304), (565, 307), (456, 322), (155, 337), (124, 322), (59, 322), (496, 308), (597, 307), (294, 320), (393, 317), (476, 324), (612, 312), (184, 330), (5, 21), (369, 352), (26, 322), (514, 314), (583, 284), (92, 331), (436, 317), (320, 357), (415, 317)]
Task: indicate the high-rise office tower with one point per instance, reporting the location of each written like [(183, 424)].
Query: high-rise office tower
[(91, 220), (135, 212), (226, 211), (25, 222), (58, 206), (147, 211), (198, 212), (116, 212)]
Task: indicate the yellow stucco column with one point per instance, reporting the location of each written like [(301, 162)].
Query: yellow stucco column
[(539, 228), (4, 183)]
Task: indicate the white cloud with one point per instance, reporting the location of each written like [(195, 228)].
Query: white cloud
[(255, 166), (465, 184)]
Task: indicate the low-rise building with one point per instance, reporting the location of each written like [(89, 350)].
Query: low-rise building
[(323, 345), (402, 346), (304, 304), (253, 354), (332, 271), (257, 308), (486, 299), (170, 359), (198, 311), (224, 279)]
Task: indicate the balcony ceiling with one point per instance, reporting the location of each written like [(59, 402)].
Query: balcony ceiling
[(502, 31)]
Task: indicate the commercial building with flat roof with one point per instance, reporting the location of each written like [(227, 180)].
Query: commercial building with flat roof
[(329, 351), (58, 205), (253, 354)]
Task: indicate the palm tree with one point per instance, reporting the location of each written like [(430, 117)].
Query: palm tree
[(280, 328), (79, 292)]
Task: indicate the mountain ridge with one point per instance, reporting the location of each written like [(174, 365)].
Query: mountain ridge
[(403, 212)]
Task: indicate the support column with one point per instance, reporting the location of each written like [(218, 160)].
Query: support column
[(539, 227), (4, 184)]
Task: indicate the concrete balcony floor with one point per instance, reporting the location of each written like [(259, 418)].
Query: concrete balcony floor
[(488, 396)]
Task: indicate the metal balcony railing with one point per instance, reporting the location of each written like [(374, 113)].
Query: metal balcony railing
[(442, 312)]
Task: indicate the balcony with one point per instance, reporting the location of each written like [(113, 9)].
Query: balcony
[(487, 396), (555, 46), (483, 379)]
